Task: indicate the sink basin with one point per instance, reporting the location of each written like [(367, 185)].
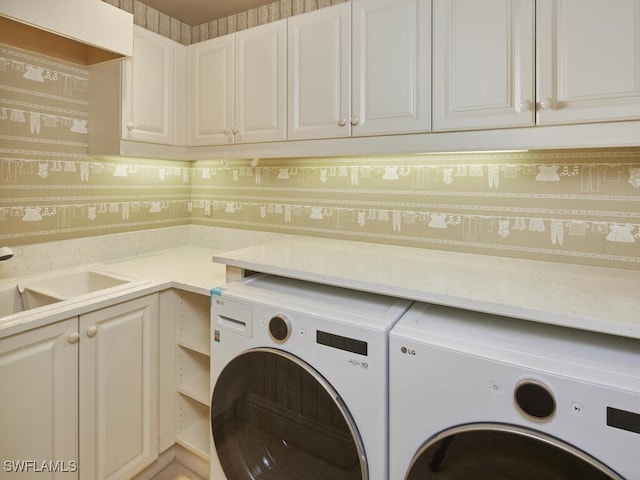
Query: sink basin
[(64, 286), (10, 300)]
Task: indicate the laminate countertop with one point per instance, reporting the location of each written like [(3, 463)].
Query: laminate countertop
[(583, 297)]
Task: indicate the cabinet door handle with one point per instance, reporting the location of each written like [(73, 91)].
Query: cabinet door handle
[(342, 122), (526, 105), (235, 130), (548, 104), (131, 126), (227, 132), (73, 338), (355, 121), (91, 332)]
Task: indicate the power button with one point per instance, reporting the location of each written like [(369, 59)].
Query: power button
[(577, 409)]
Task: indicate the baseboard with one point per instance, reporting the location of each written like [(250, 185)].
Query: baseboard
[(193, 462), (160, 463)]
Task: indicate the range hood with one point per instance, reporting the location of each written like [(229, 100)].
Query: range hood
[(80, 31)]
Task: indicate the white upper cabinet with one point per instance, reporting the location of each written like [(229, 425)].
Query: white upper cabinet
[(360, 68), (319, 73), (139, 100), (238, 87), (148, 97), (391, 66), (97, 24), (212, 91), (483, 64), (261, 83), (588, 60)]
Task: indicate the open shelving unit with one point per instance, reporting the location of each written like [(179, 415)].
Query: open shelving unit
[(192, 372)]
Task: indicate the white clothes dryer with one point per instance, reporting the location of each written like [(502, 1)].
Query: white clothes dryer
[(299, 376), (477, 396)]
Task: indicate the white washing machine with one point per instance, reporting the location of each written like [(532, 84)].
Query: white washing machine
[(476, 396), (299, 381)]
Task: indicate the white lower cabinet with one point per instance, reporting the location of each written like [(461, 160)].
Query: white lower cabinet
[(80, 397), (192, 372), (119, 389), (39, 402)]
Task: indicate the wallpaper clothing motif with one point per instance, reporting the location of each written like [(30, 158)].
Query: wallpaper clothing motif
[(579, 206), (576, 207), (50, 188)]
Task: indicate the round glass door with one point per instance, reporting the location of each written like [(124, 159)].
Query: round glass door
[(274, 417), (501, 452)]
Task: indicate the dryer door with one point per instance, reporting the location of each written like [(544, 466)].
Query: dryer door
[(274, 417), (503, 452)]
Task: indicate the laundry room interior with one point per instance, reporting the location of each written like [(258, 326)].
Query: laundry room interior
[(189, 205)]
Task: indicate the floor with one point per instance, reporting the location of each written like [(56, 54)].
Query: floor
[(175, 471)]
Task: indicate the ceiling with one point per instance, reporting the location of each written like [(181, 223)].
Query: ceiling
[(195, 12)]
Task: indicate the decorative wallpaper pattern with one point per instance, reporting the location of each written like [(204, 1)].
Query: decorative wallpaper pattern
[(154, 20), (50, 188), (580, 206), (158, 22), (270, 12), (574, 207)]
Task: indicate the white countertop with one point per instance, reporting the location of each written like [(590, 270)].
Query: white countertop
[(185, 268), (589, 298)]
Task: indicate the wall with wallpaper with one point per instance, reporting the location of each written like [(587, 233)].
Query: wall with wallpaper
[(50, 188), (569, 206), (156, 21)]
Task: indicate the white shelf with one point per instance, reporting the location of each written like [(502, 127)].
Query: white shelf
[(196, 438), (193, 323), (198, 347), (196, 388), (193, 341), (594, 135)]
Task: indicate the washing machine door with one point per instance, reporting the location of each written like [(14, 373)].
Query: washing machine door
[(503, 452), (274, 417)]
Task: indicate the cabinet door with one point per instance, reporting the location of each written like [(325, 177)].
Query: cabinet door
[(319, 73), (39, 400), (260, 105), (588, 54), (149, 85), (119, 389), (212, 91), (391, 66), (483, 63)]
